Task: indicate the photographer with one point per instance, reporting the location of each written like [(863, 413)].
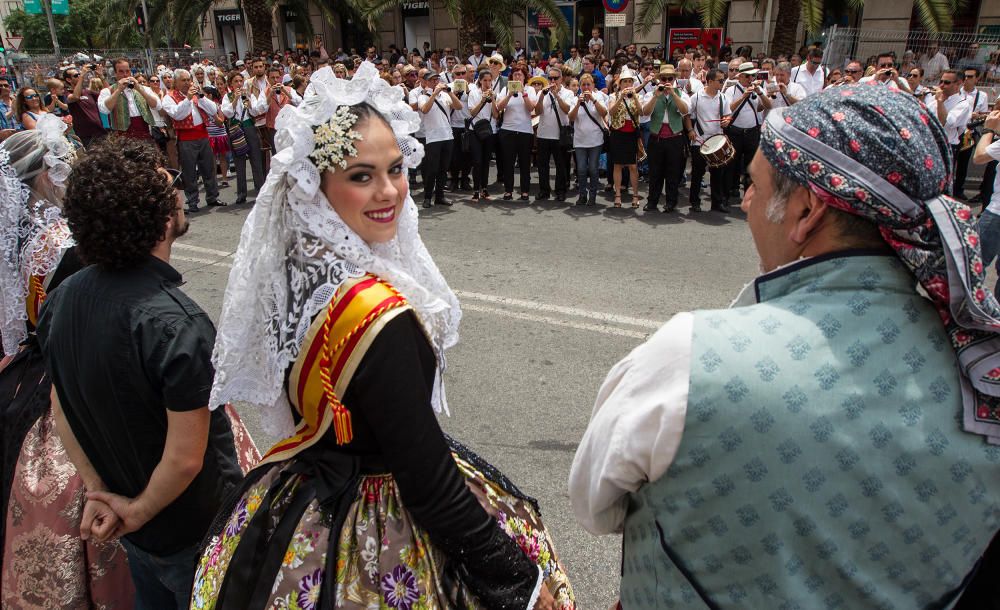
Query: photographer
[(130, 117), (191, 111), (83, 105), (553, 109), (517, 102), (436, 105), (748, 103), (666, 106), (483, 107), (587, 115), (886, 73), (277, 97), (461, 163)]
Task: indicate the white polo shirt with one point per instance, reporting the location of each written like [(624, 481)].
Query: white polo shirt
[(704, 111), (794, 90), (516, 116), (750, 114), (458, 116), (436, 121), (486, 112), (588, 133), (812, 83), (548, 126), (959, 112)]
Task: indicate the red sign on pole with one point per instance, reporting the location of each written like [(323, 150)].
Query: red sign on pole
[(681, 38), (615, 6)]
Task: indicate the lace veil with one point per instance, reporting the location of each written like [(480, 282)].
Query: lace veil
[(33, 233), (295, 251)]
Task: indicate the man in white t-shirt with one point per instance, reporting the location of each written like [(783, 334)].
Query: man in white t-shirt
[(412, 97), (435, 103), (980, 107), (782, 91), (461, 161), (810, 74), (710, 114), (552, 110), (934, 63), (951, 107), (988, 151), (477, 56)]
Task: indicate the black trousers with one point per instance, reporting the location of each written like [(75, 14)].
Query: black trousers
[(255, 156), (437, 155), (461, 162), (197, 158), (551, 149), (514, 144), (718, 177), (986, 186), (962, 160), (482, 153), (745, 141), (666, 166)]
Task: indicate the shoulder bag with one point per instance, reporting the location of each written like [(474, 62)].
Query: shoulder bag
[(565, 131), (237, 138), (607, 134)]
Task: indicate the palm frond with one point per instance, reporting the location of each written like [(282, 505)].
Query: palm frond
[(935, 15), (651, 10), (812, 15), (713, 11), (372, 11)]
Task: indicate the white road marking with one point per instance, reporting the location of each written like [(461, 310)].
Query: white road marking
[(609, 320), (569, 311), (519, 315)]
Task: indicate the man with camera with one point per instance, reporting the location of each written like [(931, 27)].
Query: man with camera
[(83, 105), (666, 106), (554, 136), (461, 160), (886, 74), (278, 96), (131, 117), (436, 103), (748, 104), (191, 111)]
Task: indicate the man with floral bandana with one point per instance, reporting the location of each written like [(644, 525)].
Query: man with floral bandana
[(830, 439)]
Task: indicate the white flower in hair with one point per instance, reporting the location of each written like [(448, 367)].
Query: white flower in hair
[(335, 140)]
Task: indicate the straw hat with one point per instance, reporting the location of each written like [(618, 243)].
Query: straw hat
[(626, 73), (667, 70), (538, 80), (747, 68), (497, 58)]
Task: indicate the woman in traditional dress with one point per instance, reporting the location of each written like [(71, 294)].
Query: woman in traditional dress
[(45, 563), (335, 323)]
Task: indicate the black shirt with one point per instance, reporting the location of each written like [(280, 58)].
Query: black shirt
[(123, 347)]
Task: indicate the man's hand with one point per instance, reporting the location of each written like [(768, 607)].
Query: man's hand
[(192, 91), (545, 600), (99, 522), (130, 512), (125, 81), (993, 121), (726, 121)]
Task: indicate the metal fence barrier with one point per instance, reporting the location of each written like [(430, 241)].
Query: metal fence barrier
[(933, 52)]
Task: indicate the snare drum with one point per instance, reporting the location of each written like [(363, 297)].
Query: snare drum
[(718, 151)]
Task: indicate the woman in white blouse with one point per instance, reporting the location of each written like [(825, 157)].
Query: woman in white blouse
[(483, 107), (516, 133)]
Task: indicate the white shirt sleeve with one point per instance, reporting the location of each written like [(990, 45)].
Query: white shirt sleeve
[(102, 100), (154, 96), (258, 105), (208, 106), (959, 115), (635, 429), (227, 108), (296, 98), (176, 111), (993, 150)]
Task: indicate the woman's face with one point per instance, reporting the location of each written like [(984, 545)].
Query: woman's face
[(485, 81), (518, 76), (340, 72), (369, 193), (236, 83), (31, 98)]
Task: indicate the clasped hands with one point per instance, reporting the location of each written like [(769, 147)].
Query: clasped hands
[(107, 516)]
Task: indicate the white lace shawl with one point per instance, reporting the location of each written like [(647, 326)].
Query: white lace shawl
[(33, 233), (295, 251)]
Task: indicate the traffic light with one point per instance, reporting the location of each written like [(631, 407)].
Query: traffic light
[(140, 20)]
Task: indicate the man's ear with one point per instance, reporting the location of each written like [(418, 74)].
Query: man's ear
[(807, 213)]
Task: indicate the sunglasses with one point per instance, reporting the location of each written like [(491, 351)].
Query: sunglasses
[(815, 63), (555, 76), (946, 82), (175, 177), (888, 65), (4, 86), (854, 71), (462, 73), (914, 75), (30, 97), (970, 76), (668, 79)]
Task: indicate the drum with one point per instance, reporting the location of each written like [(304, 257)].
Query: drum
[(718, 151)]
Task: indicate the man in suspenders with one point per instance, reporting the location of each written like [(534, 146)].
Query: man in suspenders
[(709, 115), (748, 103), (980, 107)]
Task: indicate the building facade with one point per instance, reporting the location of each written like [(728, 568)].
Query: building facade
[(415, 22)]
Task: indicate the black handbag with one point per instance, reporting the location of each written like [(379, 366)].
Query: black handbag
[(467, 137), (565, 131), (482, 129)]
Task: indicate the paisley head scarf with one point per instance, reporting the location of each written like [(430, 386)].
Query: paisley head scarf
[(880, 154)]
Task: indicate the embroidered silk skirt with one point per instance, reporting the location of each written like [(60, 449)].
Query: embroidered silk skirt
[(377, 558)]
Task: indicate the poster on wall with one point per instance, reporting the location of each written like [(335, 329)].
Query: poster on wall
[(541, 30), (681, 38)]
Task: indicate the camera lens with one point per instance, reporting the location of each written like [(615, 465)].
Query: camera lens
[(130, 86), (662, 88)]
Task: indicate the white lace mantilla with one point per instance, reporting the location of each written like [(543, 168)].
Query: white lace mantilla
[(295, 251)]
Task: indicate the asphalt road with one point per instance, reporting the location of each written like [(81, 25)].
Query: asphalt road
[(553, 296)]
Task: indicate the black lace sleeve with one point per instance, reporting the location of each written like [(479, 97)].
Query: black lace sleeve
[(391, 393)]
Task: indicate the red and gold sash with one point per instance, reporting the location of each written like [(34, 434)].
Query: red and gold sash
[(36, 296), (334, 346)]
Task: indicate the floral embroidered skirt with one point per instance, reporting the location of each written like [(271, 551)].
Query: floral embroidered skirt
[(379, 558)]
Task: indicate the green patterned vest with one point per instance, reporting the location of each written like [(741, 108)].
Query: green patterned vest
[(665, 106), (119, 118), (822, 464)]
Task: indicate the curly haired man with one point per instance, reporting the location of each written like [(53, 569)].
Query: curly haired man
[(129, 355)]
